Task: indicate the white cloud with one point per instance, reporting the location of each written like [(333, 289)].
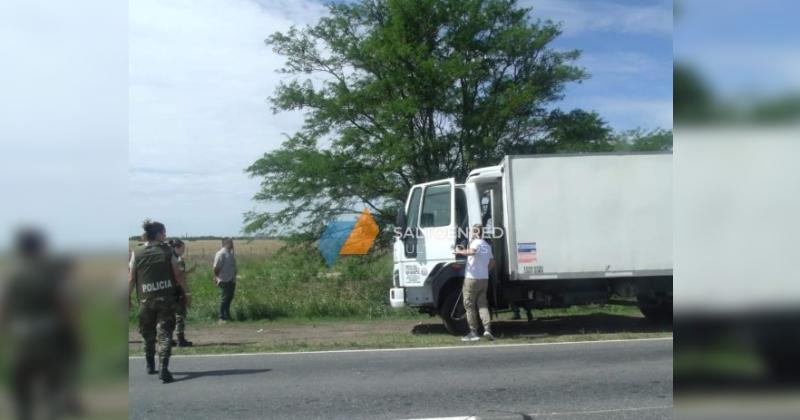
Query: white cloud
[(200, 76), (633, 112), (581, 16), (628, 89), (623, 63)]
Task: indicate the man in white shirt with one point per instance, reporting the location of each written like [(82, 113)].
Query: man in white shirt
[(476, 283), (225, 278)]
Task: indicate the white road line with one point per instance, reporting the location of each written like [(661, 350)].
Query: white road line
[(557, 413), (482, 346), (613, 410), (450, 418)]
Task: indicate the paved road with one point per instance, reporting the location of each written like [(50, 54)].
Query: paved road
[(622, 379)]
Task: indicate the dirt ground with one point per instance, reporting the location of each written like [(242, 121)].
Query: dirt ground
[(307, 335), (237, 333)]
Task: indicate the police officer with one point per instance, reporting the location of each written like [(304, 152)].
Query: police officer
[(155, 274), (38, 323), (178, 248)]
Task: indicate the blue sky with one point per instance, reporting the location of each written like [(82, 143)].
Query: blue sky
[(200, 75), (627, 49), (63, 120), (744, 49)]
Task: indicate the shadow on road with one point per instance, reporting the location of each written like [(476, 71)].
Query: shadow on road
[(561, 325), (226, 344), (185, 376)]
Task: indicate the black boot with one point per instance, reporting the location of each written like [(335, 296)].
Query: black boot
[(172, 342), (164, 374), (530, 316), (151, 364), (182, 342)]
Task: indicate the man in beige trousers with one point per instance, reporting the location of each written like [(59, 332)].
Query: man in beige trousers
[(476, 283)]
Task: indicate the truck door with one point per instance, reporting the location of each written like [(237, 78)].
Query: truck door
[(409, 236), (436, 223), (497, 236)]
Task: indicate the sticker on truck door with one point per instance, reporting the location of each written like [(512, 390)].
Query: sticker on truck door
[(412, 272)]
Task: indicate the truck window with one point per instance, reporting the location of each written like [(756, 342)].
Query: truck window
[(486, 209), (413, 207), (462, 221), (436, 207)]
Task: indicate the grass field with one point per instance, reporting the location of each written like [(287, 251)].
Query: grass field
[(202, 251), (289, 300), (294, 283)]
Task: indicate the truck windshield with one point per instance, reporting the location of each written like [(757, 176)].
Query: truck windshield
[(436, 206)]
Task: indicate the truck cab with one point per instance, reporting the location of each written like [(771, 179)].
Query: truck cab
[(434, 221)]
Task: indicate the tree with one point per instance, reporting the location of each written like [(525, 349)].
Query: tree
[(573, 132), (398, 92), (637, 140), (780, 109), (693, 100)]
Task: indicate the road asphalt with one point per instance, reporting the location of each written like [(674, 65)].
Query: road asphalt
[(591, 380)]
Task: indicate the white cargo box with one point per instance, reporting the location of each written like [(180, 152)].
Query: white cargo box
[(737, 201), (588, 216)]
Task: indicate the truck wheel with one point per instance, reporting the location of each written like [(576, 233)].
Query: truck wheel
[(453, 313), (659, 311), (778, 343), (782, 366)]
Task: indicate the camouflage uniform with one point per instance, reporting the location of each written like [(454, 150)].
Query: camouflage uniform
[(157, 321), (43, 346), (180, 306), (155, 284)]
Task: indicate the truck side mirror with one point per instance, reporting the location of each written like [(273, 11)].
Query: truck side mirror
[(400, 219)]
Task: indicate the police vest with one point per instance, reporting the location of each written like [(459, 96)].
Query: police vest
[(154, 277)]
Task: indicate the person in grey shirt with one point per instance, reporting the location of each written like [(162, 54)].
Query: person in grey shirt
[(225, 278)]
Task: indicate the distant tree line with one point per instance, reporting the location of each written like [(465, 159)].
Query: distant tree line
[(695, 102), (218, 238)]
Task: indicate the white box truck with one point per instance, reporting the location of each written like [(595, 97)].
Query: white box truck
[(737, 201), (564, 229)]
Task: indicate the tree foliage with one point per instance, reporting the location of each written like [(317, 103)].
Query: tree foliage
[(397, 92), (693, 99), (573, 132), (638, 140)]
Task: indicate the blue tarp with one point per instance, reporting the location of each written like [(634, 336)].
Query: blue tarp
[(334, 237)]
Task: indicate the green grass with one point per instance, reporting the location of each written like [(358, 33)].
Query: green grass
[(722, 358), (296, 283)]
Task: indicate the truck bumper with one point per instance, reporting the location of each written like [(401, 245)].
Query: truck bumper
[(397, 297)]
